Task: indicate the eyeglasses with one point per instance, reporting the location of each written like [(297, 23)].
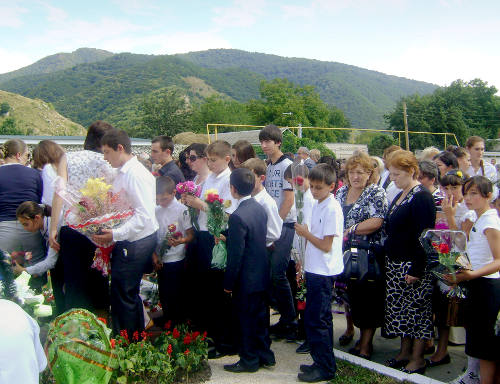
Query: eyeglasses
[(193, 158)]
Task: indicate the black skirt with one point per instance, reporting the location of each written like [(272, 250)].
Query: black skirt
[(483, 305)]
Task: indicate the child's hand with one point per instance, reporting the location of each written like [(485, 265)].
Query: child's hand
[(192, 201), (104, 238), (449, 206), (157, 264), (220, 238), (464, 275), (175, 241), (301, 229), (17, 269)]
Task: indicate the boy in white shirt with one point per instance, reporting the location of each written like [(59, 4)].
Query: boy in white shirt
[(259, 193), (168, 259), (136, 239), (323, 262), (213, 308)]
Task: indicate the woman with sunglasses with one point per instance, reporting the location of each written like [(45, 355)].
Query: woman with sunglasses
[(197, 160)]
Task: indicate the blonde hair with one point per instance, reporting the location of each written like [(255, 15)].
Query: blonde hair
[(404, 160), (12, 147), (364, 161), (315, 154), (258, 166), (219, 148), (428, 153)]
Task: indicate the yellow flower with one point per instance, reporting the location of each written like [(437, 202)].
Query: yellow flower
[(227, 203), (211, 191), (460, 174), (95, 188)]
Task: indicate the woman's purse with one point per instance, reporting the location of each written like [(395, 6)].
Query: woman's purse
[(360, 261)]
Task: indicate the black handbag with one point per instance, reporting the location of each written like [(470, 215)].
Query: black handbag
[(360, 261)]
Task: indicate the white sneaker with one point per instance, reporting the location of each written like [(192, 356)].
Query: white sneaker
[(467, 378)]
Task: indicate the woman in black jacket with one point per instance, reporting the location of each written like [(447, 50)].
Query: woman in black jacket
[(408, 308)]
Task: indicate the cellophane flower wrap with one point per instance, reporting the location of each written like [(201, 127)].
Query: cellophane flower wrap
[(94, 208), (190, 188), (216, 223), (446, 255), (79, 349), (172, 233), (299, 175)]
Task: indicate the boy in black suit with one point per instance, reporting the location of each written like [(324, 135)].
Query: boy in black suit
[(247, 275)]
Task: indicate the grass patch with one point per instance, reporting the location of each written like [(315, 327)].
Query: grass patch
[(348, 373)]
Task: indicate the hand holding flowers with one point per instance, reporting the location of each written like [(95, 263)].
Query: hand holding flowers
[(189, 191)]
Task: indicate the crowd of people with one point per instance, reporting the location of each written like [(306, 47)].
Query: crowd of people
[(386, 203)]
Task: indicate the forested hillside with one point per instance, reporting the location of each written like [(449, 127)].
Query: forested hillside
[(58, 62), (113, 88)]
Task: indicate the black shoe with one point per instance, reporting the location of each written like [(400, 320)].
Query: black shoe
[(213, 353), (420, 370), (393, 363), (267, 364), (304, 348), (239, 368), (314, 375), (277, 328), (306, 368), (431, 364)]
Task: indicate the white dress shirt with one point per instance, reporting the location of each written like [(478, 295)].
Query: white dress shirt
[(274, 221), (140, 187), (219, 182), (175, 213), (21, 354), (489, 171), (327, 220)]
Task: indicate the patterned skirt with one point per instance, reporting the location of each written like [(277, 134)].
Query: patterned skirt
[(408, 307)]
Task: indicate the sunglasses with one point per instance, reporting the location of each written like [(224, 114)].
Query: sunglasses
[(193, 158)]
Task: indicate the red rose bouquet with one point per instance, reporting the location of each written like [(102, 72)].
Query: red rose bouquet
[(216, 223)]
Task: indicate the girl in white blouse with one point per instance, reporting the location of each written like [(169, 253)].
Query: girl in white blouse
[(483, 250)]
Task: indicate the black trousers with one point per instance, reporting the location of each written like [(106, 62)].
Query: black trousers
[(57, 279), (318, 321), (129, 261), (171, 288), (213, 307), (281, 291), (254, 344), (85, 287)]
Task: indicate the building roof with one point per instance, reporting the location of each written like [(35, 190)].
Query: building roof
[(251, 136), (64, 140)]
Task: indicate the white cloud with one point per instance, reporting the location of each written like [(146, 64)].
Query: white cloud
[(138, 7), (182, 42), (242, 13), (10, 15), (12, 60)]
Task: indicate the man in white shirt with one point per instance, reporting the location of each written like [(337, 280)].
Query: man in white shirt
[(136, 239)]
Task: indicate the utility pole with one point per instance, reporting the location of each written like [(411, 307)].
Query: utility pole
[(406, 126)]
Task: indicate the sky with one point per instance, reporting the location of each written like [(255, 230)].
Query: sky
[(437, 41)]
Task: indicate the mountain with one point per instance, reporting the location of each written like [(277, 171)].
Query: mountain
[(36, 117), (112, 89), (59, 61), (364, 95)]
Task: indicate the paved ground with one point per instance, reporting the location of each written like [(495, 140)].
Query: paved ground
[(287, 361)]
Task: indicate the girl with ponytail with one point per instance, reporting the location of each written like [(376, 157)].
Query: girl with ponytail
[(35, 217)]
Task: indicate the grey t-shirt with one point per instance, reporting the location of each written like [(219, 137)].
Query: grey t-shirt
[(276, 184)]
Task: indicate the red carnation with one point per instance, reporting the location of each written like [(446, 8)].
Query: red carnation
[(186, 352), (124, 334), (204, 336), (187, 339), (135, 336), (175, 333), (169, 349), (113, 343), (144, 335), (102, 319), (195, 335), (444, 248), (168, 324)]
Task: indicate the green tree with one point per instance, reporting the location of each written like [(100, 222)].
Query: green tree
[(217, 109), (9, 127), (285, 104), (379, 143), (463, 108), (4, 108), (166, 112)]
